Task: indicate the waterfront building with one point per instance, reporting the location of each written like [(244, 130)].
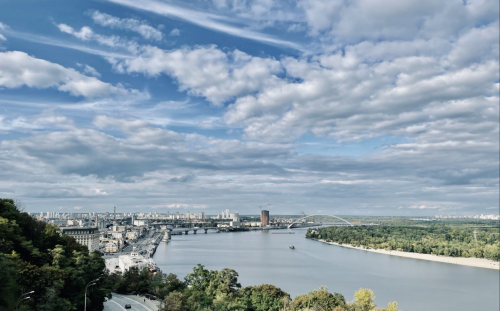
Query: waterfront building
[(125, 262), (85, 236), (264, 217)]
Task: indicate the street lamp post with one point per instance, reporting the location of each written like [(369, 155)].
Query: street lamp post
[(23, 297), (91, 283)]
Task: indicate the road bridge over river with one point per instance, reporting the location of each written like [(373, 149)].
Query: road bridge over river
[(195, 229), (301, 220)]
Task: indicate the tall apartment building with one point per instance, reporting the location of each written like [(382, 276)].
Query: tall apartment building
[(264, 217), (85, 236)]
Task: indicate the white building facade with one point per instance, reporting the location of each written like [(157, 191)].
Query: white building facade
[(85, 236)]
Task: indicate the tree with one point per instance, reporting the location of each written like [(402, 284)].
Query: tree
[(174, 301), (364, 298), (52, 300), (213, 282), (35, 256), (266, 297), (392, 306), (319, 299)]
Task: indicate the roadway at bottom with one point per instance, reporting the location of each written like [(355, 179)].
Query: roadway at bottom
[(118, 302)]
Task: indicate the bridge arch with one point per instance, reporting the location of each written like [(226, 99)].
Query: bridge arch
[(298, 220)]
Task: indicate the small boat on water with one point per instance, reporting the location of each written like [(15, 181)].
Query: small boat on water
[(292, 247)]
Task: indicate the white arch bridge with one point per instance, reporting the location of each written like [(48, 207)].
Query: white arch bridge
[(300, 220)]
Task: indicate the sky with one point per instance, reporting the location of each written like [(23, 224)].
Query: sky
[(362, 107)]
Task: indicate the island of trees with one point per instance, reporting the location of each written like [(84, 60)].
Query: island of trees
[(442, 240), (36, 261)]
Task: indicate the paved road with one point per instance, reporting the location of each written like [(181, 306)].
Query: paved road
[(118, 302)]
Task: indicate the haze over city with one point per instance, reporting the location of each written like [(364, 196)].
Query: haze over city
[(329, 107)]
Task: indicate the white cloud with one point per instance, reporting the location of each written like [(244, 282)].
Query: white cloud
[(89, 70), (144, 165), (375, 20), (19, 69), (84, 34), (206, 71), (175, 32), (87, 34), (186, 206), (130, 24), (2, 27), (205, 20), (424, 207)]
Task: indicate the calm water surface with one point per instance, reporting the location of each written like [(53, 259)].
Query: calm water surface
[(263, 257)]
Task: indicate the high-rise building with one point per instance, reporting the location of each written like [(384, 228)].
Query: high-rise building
[(264, 217), (201, 216)]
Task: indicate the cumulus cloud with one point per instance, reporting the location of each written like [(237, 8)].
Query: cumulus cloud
[(175, 32), (206, 71), (393, 20), (19, 69), (130, 24)]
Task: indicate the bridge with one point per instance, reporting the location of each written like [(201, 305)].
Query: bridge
[(195, 229), (300, 220)]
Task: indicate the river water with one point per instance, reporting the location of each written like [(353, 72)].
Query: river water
[(265, 257)]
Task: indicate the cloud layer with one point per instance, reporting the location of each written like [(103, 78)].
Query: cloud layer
[(389, 108)]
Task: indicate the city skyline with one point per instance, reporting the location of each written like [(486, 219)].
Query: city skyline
[(209, 105)]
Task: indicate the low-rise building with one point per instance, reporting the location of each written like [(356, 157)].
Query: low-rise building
[(111, 247), (132, 235), (125, 262)]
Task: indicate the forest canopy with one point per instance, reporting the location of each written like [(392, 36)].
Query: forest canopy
[(438, 240)]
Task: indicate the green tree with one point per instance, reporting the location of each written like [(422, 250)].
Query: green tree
[(174, 302), (266, 297), (392, 306), (364, 298)]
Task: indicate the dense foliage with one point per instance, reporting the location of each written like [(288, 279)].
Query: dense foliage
[(35, 257), (211, 290), (437, 240)]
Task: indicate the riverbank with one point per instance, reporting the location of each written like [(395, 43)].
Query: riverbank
[(472, 262)]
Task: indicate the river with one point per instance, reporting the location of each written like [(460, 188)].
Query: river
[(265, 257)]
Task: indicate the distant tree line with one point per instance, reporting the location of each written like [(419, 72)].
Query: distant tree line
[(433, 239)]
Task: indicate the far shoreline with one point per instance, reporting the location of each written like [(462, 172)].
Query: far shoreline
[(471, 261)]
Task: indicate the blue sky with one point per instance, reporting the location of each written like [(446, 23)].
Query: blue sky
[(362, 107)]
